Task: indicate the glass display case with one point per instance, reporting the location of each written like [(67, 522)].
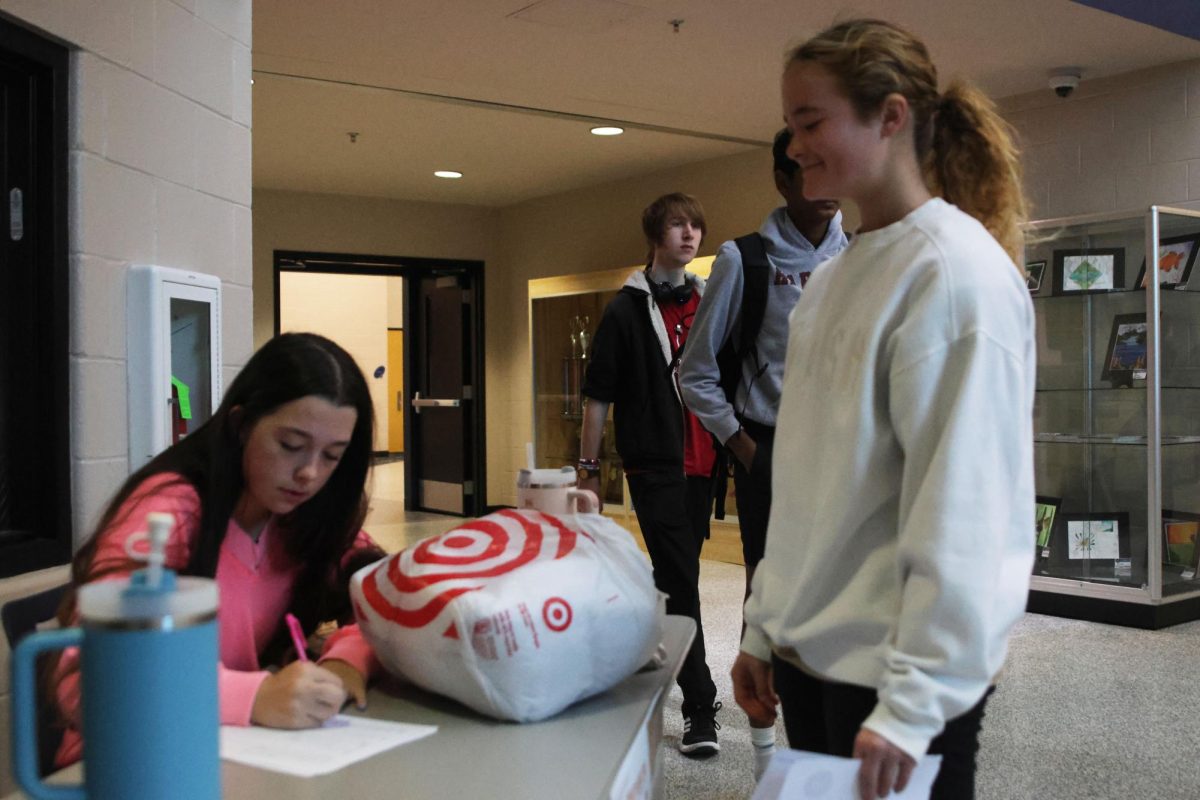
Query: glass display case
[(563, 315), (1117, 417)]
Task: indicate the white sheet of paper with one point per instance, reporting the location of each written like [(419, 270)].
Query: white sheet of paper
[(342, 741), (798, 775)]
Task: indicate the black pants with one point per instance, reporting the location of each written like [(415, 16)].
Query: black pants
[(753, 492), (673, 512), (824, 717)]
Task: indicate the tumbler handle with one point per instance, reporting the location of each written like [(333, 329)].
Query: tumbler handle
[(24, 713), (585, 498)]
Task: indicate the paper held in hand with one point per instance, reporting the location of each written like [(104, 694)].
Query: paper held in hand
[(797, 775)]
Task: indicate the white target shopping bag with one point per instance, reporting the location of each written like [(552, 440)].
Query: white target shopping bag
[(517, 614)]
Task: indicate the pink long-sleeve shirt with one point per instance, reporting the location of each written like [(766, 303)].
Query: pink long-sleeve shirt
[(255, 581)]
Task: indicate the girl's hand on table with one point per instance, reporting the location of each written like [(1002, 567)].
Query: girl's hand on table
[(301, 695), (353, 681)]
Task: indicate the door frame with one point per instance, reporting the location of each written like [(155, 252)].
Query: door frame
[(408, 268), (46, 62)]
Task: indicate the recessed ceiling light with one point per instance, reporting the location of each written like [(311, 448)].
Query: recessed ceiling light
[(448, 173), (607, 130)]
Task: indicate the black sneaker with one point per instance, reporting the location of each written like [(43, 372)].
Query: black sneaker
[(700, 728)]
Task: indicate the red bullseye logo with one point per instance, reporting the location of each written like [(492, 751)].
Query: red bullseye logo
[(557, 614), (413, 587)]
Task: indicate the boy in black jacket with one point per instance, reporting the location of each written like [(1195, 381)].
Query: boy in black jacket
[(666, 453)]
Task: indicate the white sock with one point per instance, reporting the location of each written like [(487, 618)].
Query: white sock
[(763, 741)]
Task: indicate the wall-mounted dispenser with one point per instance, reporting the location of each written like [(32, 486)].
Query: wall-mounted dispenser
[(173, 346)]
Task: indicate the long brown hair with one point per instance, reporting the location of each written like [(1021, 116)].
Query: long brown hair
[(966, 150), (318, 533)]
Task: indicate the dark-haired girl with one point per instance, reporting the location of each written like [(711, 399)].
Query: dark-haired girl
[(268, 499)]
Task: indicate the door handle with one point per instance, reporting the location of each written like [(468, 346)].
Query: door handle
[(419, 402)]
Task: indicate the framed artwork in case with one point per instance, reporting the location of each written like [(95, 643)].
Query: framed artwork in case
[(1125, 359), (1181, 530), (1098, 538), (1100, 269), (1176, 256), (1034, 272), (1044, 515)]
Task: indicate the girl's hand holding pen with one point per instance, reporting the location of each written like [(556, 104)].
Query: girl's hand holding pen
[(301, 695), (353, 681)]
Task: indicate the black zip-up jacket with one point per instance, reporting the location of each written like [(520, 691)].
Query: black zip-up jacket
[(630, 367)]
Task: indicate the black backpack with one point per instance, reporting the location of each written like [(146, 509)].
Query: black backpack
[(756, 275)]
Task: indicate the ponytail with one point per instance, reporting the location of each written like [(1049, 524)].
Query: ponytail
[(973, 162)]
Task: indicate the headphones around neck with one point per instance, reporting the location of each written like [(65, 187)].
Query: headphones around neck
[(664, 292)]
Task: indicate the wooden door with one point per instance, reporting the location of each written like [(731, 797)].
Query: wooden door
[(395, 371)]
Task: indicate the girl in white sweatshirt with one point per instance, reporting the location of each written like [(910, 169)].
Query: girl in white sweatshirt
[(901, 532)]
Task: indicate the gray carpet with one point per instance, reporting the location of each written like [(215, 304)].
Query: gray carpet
[(1083, 711)]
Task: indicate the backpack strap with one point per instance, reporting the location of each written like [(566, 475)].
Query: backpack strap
[(756, 274)]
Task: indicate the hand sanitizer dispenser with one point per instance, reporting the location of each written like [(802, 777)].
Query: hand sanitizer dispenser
[(173, 345)]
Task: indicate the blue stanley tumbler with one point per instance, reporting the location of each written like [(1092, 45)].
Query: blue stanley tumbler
[(148, 657)]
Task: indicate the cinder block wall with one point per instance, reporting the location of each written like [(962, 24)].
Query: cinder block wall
[(1118, 143), (159, 173)]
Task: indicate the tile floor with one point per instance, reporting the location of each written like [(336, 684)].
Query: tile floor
[(389, 524)]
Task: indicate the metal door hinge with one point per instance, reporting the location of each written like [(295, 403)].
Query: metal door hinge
[(468, 393), (468, 487)]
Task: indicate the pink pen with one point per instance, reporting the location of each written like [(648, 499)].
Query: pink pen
[(297, 636)]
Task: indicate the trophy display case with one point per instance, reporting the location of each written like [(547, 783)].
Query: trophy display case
[(564, 312)]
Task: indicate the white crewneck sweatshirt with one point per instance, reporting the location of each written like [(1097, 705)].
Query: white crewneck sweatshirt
[(901, 534)]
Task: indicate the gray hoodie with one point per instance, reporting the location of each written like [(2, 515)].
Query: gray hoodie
[(791, 257)]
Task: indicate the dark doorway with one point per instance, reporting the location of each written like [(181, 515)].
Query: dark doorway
[(443, 398), (35, 488)]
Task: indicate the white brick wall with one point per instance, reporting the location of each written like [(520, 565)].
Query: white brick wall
[(1116, 144), (159, 173)]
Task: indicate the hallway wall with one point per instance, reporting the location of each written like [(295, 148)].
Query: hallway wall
[(332, 223), (591, 229), (1117, 143), (159, 173)]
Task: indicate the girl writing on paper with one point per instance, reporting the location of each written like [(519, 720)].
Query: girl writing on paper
[(268, 499), (900, 539)]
